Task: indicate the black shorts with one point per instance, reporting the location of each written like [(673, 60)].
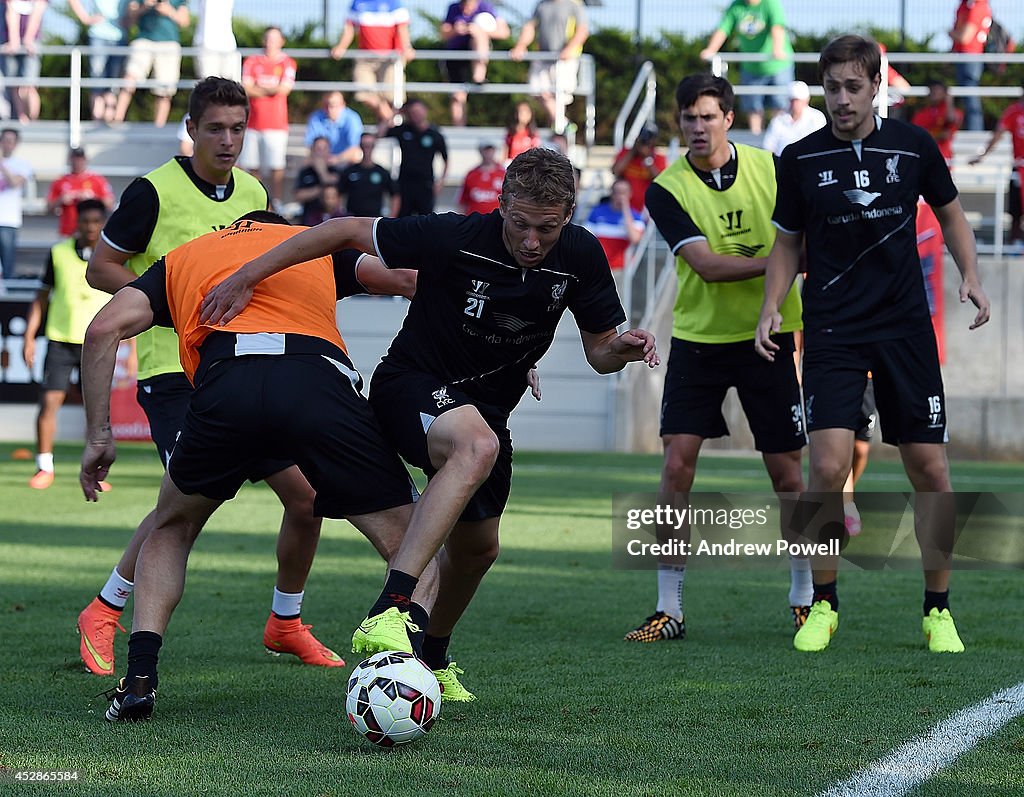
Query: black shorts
[(301, 408), (456, 71), (907, 386), (407, 402), (62, 359), (415, 199), (868, 414), (700, 374), (165, 399)]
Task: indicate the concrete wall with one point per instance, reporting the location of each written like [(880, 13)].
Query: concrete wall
[(983, 373)]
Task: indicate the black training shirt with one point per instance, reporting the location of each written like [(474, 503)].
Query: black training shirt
[(418, 150), (478, 320), (856, 203)]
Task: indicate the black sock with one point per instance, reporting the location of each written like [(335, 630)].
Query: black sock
[(936, 600), (108, 604), (419, 616), (435, 651), (826, 592), (397, 591), (143, 651)]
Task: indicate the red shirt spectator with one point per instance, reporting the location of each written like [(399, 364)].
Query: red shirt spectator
[(482, 186), (940, 118), (272, 72), (1012, 121), (521, 132), (66, 192), (639, 165), (973, 17)]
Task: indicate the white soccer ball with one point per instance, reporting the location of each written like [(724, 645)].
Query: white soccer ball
[(486, 22), (393, 698)]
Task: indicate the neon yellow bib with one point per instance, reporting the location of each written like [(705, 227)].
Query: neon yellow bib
[(73, 304), (736, 221), (185, 213)]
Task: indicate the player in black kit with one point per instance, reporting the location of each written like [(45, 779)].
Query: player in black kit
[(490, 294), (420, 142), (850, 190)]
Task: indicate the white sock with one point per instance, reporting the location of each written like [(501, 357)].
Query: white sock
[(670, 590), (45, 462), (116, 591), (850, 510), (287, 604), (801, 584)]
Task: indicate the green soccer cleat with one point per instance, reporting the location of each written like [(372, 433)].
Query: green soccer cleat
[(940, 631), (451, 690), (388, 630), (817, 630), (657, 627)]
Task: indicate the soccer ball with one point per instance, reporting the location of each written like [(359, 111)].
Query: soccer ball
[(393, 698)]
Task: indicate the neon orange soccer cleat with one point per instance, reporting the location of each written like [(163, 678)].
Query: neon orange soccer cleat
[(291, 636), (96, 626)]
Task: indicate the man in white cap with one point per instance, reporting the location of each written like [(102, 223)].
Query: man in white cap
[(793, 125)]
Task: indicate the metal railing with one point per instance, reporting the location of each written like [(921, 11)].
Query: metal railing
[(76, 82), (640, 102)]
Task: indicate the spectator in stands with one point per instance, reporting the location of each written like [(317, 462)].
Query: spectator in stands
[(561, 29), (1012, 121), (970, 30), (14, 174), (759, 27), (616, 223), (521, 132), (268, 79), (940, 117), (23, 21), (69, 304), (311, 179), (218, 50), (330, 204), (482, 186), (420, 142), (340, 125), (156, 48), (363, 185), (77, 185), (103, 19), (795, 123), (383, 27), (639, 165), (469, 25)]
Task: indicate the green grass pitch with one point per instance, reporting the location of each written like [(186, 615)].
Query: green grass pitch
[(566, 707)]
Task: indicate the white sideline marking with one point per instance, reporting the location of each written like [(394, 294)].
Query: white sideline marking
[(916, 761)]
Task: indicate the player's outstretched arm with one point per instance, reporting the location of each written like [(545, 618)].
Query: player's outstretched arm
[(781, 270), (608, 352), (960, 241), (126, 315), (382, 281), (228, 298)]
